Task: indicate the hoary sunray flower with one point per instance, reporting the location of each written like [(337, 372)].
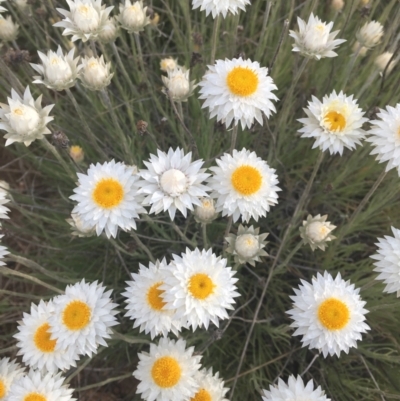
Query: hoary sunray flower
[(8, 29), (3, 251), (335, 123), (95, 73), (166, 372), (211, 387), (382, 62), (199, 287), (205, 212), (178, 84), (132, 16), (370, 34), (316, 231), (37, 386), (384, 136), (145, 304), (238, 90), (38, 350), (57, 71), (23, 118), (388, 261), (84, 20), (247, 246), (9, 371), (83, 317), (107, 198), (172, 181), (4, 199), (329, 314), (216, 7), (244, 185), (294, 390), (314, 38)]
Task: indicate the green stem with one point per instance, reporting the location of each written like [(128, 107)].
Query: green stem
[(214, 39), (55, 153), (204, 233), (234, 138)]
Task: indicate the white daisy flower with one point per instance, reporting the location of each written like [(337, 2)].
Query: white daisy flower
[(133, 16), (244, 185), (316, 231), (216, 7), (172, 181), (199, 288), (385, 137), (238, 90), (85, 19), (294, 390), (83, 317), (211, 387), (388, 262), (178, 84), (3, 200), (36, 386), (166, 372), (9, 371), (145, 303), (3, 251), (314, 39), (335, 123), (38, 350), (57, 71), (95, 73), (370, 34), (107, 198), (329, 314), (8, 29), (23, 118)]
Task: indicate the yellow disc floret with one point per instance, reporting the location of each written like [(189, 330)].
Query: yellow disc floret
[(35, 397), (202, 395), (333, 314), (201, 286), (166, 372), (154, 297), (108, 193), (246, 180), (335, 121), (42, 339), (242, 81), (2, 389), (76, 315)]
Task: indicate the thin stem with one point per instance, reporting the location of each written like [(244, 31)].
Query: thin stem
[(143, 247), (351, 66), (234, 138), (278, 47), (227, 230), (263, 35), (122, 67), (55, 153), (214, 39), (204, 233), (309, 365), (93, 47), (140, 55)]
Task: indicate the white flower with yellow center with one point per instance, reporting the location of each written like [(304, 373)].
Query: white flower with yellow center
[(83, 317), (172, 181), (3, 251), (388, 262), (370, 34), (95, 73), (244, 185), (314, 39), (9, 371), (3, 200), (166, 372), (329, 314), (24, 119), (384, 136), (238, 90), (57, 71), (107, 198), (247, 246), (382, 62), (335, 123), (199, 288), (168, 63), (316, 231), (205, 212), (38, 350), (294, 390), (216, 7), (8, 29), (37, 386), (85, 20), (211, 387), (132, 16), (145, 303), (178, 85)]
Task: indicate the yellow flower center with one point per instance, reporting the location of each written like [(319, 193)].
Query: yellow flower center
[(154, 296), (242, 81), (108, 193), (35, 397), (2, 389), (84, 10), (42, 339), (335, 121), (76, 315), (201, 286), (333, 314), (166, 372), (246, 180), (202, 395), (18, 112), (55, 60)]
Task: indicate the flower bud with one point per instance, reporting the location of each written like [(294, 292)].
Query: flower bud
[(316, 231), (95, 73), (79, 229), (169, 63), (21, 4), (337, 5), (133, 17), (370, 34), (382, 61), (109, 32), (205, 213), (178, 84), (361, 50), (77, 154), (8, 29)]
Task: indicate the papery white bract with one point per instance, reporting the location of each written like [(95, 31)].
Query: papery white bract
[(8, 28), (316, 231), (9, 371), (370, 34), (177, 84), (216, 7), (95, 73), (3, 200), (3, 251), (132, 16)]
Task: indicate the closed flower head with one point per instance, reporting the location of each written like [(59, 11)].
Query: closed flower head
[(95, 73), (370, 34), (132, 16)]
